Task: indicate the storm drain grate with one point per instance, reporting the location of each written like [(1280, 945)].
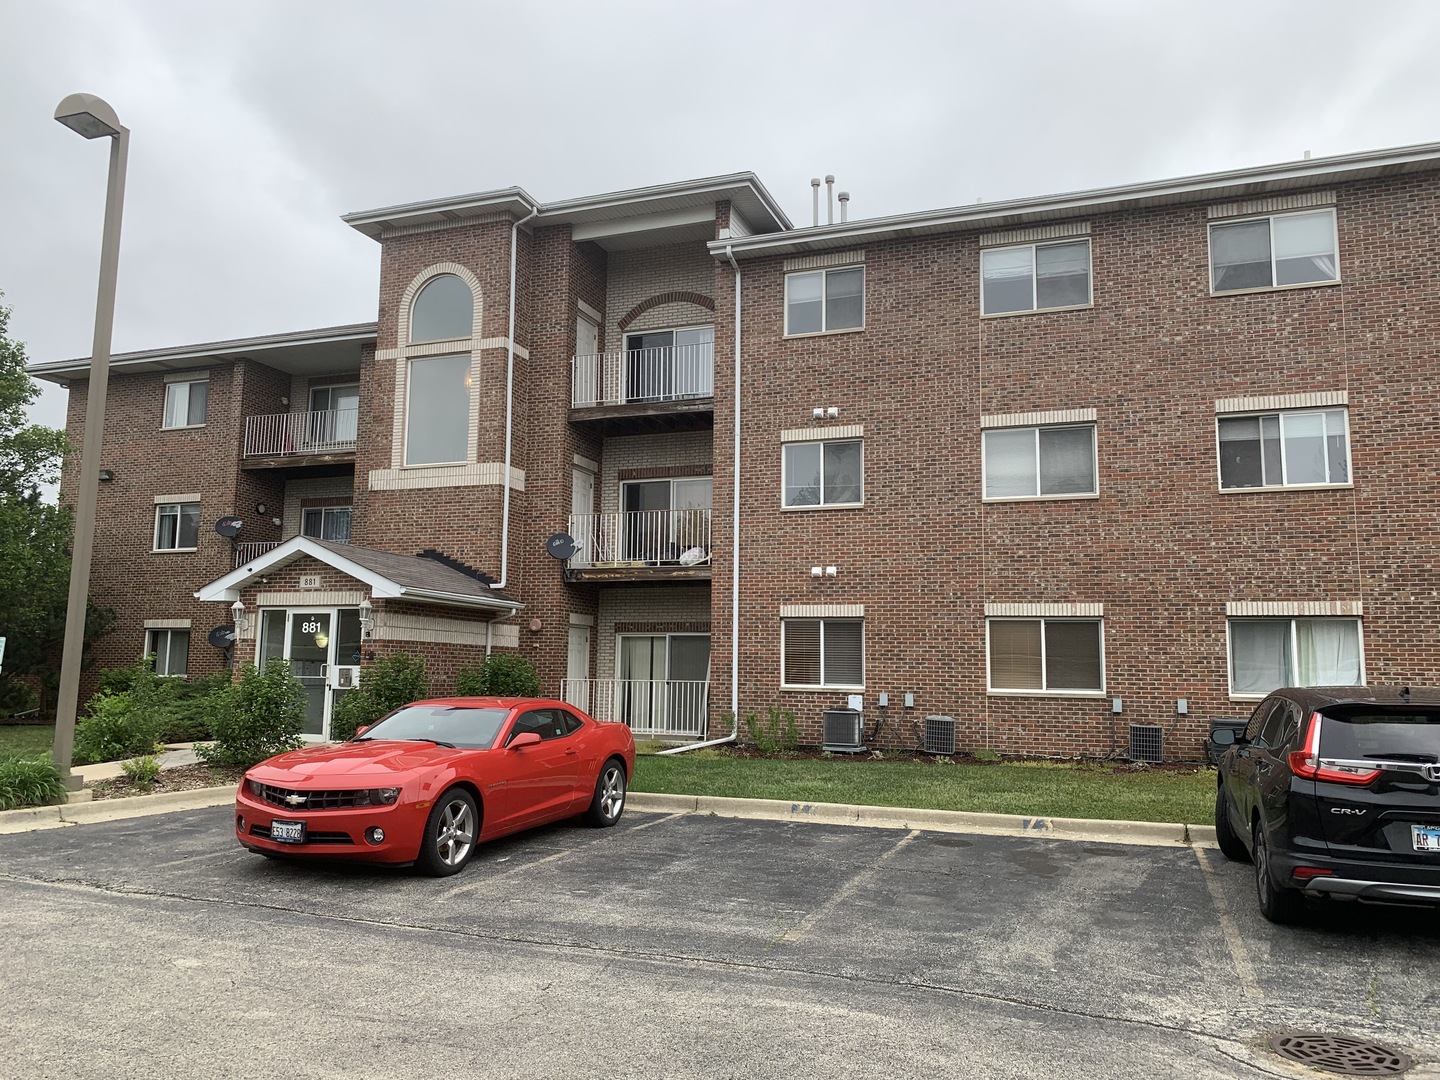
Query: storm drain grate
[(1342, 1054)]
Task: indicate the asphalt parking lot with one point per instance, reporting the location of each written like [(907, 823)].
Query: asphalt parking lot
[(682, 945)]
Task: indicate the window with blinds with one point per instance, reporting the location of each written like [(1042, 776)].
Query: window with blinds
[(823, 652), (1046, 654)]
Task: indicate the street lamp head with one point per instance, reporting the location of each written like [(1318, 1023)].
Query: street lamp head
[(89, 115)]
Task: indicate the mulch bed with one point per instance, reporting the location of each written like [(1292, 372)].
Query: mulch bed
[(183, 778), (888, 754)]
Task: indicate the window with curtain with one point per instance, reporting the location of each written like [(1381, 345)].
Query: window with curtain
[(185, 403), (1273, 252), (437, 412), (177, 526), (823, 473), (1266, 654), (1287, 449), (169, 651), (1063, 655), (1034, 277), (823, 652), (1035, 462), (443, 309), (821, 300)]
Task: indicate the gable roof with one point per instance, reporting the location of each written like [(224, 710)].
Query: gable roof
[(419, 578)]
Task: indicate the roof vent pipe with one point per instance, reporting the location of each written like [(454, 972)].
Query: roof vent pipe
[(830, 200), (844, 207), (815, 200)]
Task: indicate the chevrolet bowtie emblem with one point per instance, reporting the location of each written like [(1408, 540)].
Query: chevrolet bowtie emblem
[(295, 800)]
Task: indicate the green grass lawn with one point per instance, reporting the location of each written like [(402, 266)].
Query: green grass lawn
[(26, 740), (1029, 788)]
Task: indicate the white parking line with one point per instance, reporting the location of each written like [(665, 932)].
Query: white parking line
[(1233, 941), (805, 925), (659, 821)]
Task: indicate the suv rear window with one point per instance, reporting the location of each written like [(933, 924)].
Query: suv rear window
[(1405, 735)]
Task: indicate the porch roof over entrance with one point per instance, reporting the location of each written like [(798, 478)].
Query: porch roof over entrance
[(424, 579)]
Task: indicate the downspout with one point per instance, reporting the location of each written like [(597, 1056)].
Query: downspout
[(734, 550), (490, 626), (509, 414)]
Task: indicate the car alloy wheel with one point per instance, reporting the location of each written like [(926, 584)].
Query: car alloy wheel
[(609, 801), (450, 834)]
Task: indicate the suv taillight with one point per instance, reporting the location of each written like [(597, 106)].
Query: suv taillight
[(1306, 764)]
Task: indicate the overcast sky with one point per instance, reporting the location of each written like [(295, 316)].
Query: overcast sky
[(256, 124)]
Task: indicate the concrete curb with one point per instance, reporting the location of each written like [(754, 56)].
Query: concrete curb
[(1149, 833)]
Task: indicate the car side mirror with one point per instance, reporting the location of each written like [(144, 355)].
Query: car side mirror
[(1224, 737), (524, 739), (361, 730)]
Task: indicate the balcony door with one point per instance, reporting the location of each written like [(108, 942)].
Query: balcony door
[(666, 518), (334, 414), (663, 365), (663, 682)]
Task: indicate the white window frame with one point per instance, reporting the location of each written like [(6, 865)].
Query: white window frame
[(410, 362), (150, 650), (1037, 497), (323, 511), (1270, 218), (1294, 645), (1284, 462), (430, 278), (160, 509), (1045, 691), (165, 404), (1035, 278), (824, 273), (822, 684), (822, 504)]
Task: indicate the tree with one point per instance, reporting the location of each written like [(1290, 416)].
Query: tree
[(34, 538)]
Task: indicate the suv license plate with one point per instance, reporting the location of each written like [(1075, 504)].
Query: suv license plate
[(1425, 837), (293, 832)]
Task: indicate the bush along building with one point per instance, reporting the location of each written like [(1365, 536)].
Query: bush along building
[(1080, 472)]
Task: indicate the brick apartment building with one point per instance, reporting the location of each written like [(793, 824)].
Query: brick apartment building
[(1071, 470)]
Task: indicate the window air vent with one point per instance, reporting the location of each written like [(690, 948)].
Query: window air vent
[(1147, 743), (843, 731), (940, 735)]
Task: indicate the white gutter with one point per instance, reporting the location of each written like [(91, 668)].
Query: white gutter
[(510, 405), (734, 552)]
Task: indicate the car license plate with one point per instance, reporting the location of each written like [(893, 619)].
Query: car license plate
[(288, 832), (1425, 837)]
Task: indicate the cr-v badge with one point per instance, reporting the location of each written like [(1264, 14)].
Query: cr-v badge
[(1345, 810)]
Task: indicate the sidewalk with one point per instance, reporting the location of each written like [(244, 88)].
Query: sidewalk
[(175, 755)]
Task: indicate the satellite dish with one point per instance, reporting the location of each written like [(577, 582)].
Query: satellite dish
[(229, 526), (222, 637), (560, 546)]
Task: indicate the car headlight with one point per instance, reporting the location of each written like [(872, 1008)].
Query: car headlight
[(384, 796)]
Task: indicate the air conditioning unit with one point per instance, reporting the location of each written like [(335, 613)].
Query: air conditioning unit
[(940, 735), (1147, 743), (844, 733)]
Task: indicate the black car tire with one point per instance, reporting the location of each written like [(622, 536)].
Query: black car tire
[(608, 803), (1277, 903), (451, 832), (1231, 846)]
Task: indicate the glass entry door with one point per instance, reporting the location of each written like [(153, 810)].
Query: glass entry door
[(663, 682), (310, 648)]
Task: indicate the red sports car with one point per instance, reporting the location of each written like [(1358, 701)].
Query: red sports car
[(434, 778)]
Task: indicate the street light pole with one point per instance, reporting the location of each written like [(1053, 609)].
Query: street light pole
[(93, 118)]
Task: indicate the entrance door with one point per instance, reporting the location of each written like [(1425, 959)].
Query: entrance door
[(336, 411), (582, 516), (310, 648), (577, 671)]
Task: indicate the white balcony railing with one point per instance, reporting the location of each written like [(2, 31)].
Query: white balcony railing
[(663, 708), (623, 377), (641, 538), (250, 550), (280, 434)]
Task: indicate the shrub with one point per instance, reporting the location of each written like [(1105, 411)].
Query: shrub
[(29, 782), (397, 680), (186, 708), (776, 733), (256, 717), (502, 675), (16, 698), (118, 726), (142, 770)]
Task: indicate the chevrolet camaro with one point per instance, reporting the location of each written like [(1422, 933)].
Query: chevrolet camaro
[(433, 779)]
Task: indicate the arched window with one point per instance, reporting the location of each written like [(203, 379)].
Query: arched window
[(444, 309)]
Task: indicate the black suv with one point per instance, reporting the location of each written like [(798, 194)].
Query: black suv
[(1335, 791)]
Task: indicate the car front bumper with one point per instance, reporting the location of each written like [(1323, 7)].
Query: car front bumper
[(335, 834)]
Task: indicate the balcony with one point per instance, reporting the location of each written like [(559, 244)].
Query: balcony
[(664, 709), (673, 386), (280, 440), (640, 545), (249, 550)]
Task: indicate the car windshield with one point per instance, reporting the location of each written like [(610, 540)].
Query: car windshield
[(447, 725), (1396, 734)]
